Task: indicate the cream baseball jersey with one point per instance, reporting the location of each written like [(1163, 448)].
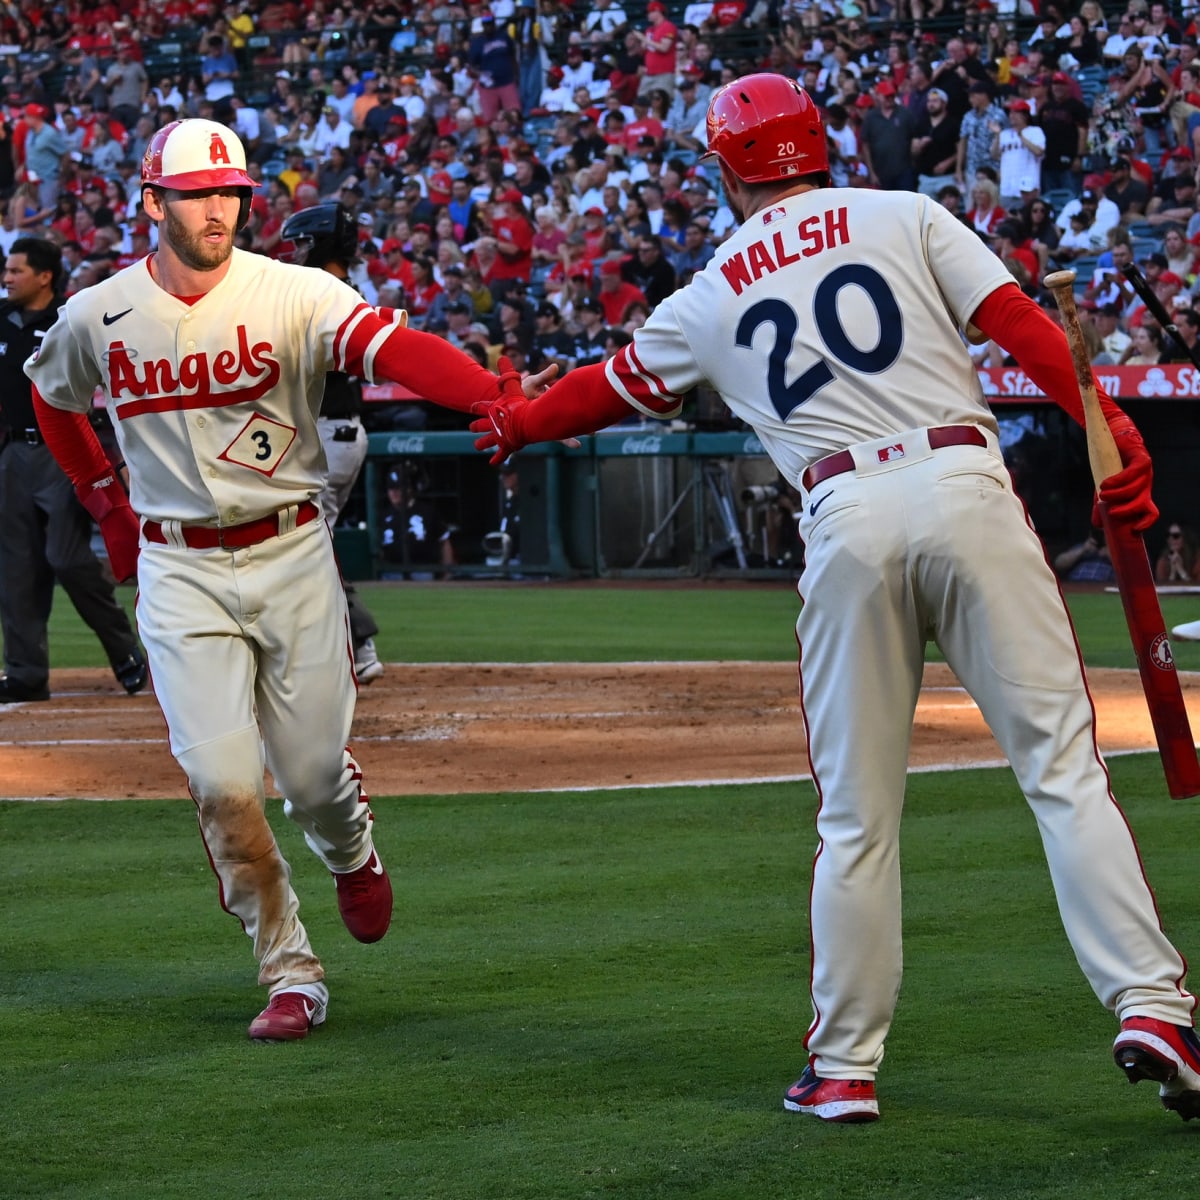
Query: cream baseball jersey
[(214, 403), (802, 322)]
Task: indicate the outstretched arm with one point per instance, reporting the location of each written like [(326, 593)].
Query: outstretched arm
[(381, 346), (583, 402)]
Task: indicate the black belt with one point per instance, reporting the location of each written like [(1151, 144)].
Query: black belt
[(940, 436), (31, 437), (346, 433)]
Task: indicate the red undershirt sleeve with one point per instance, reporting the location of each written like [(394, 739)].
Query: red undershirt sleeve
[(434, 369), (73, 442), (1014, 321), (582, 403)]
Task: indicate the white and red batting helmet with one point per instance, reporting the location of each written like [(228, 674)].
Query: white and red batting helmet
[(193, 155), (765, 127)]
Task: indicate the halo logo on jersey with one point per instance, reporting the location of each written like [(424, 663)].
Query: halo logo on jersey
[(155, 385)]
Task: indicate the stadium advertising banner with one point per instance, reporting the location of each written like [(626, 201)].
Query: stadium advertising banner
[(1179, 381)]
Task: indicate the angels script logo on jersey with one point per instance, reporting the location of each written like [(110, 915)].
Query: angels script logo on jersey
[(153, 384)]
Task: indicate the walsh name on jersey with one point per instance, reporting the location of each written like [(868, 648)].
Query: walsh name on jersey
[(822, 231)]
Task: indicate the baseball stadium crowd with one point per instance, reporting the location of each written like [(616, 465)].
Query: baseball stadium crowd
[(526, 175)]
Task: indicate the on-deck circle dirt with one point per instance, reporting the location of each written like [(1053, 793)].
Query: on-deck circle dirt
[(470, 728)]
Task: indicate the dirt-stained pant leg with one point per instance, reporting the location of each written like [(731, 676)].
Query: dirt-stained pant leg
[(254, 878), (194, 612)]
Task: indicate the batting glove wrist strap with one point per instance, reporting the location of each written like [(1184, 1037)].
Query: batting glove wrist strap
[(102, 496), (106, 501)]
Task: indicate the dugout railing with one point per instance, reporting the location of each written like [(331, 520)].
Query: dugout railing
[(633, 500), (592, 511)]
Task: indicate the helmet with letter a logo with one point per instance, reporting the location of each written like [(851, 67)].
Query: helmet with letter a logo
[(765, 128), (194, 155)]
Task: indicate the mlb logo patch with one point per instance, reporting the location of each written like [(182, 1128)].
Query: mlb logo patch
[(774, 214), (891, 453)]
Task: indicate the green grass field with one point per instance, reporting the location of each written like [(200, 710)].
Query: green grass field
[(582, 996), (523, 622)]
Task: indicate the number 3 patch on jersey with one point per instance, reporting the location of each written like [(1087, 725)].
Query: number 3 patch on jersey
[(260, 446)]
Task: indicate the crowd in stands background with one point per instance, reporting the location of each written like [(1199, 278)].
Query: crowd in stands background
[(527, 177)]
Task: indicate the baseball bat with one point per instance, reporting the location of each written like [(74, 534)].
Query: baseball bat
[(1103, 455), (1154, 306), (1131, 564)]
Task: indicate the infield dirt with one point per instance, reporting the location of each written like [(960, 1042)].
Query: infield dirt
[(442, 729)]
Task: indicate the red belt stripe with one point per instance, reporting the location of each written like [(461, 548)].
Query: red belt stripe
[(230, 537)]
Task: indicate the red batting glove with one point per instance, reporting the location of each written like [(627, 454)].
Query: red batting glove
[(500, 417), (108, 504), (509, 385), (1126, 494), (502, 427)]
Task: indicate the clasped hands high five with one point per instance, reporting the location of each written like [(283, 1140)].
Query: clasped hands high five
[(501, 423)]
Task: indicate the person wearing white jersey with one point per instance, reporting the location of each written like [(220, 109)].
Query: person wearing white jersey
[(213, 362), (830, 322)]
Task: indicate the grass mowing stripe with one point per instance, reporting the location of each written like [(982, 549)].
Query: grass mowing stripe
[(581, 996), (477, 622)]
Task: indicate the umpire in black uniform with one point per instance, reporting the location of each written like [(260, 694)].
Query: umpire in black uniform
[(45, 533)]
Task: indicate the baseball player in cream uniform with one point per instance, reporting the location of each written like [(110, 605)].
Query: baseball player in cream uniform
[(830, 322), (212, 361)]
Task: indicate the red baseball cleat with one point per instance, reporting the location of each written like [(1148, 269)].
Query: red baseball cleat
[(288, 1017), (833, 1099), (365, 900), (1147, 1048)]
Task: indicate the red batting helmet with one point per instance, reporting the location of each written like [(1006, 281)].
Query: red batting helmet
[(766, 127), (191, 155)]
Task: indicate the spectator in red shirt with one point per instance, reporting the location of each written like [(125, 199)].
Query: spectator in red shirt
[(660, 38), (269, 240), (726, 12), (514, 236), (423, 291), (1012, 245), (397, 268), (615, 294), (139, 243), (643, 125), (596, 241)]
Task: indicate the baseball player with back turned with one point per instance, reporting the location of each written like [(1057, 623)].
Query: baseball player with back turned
[(830, 323), (213, 361)]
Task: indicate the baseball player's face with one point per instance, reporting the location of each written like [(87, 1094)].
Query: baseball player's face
[(199, 226)]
